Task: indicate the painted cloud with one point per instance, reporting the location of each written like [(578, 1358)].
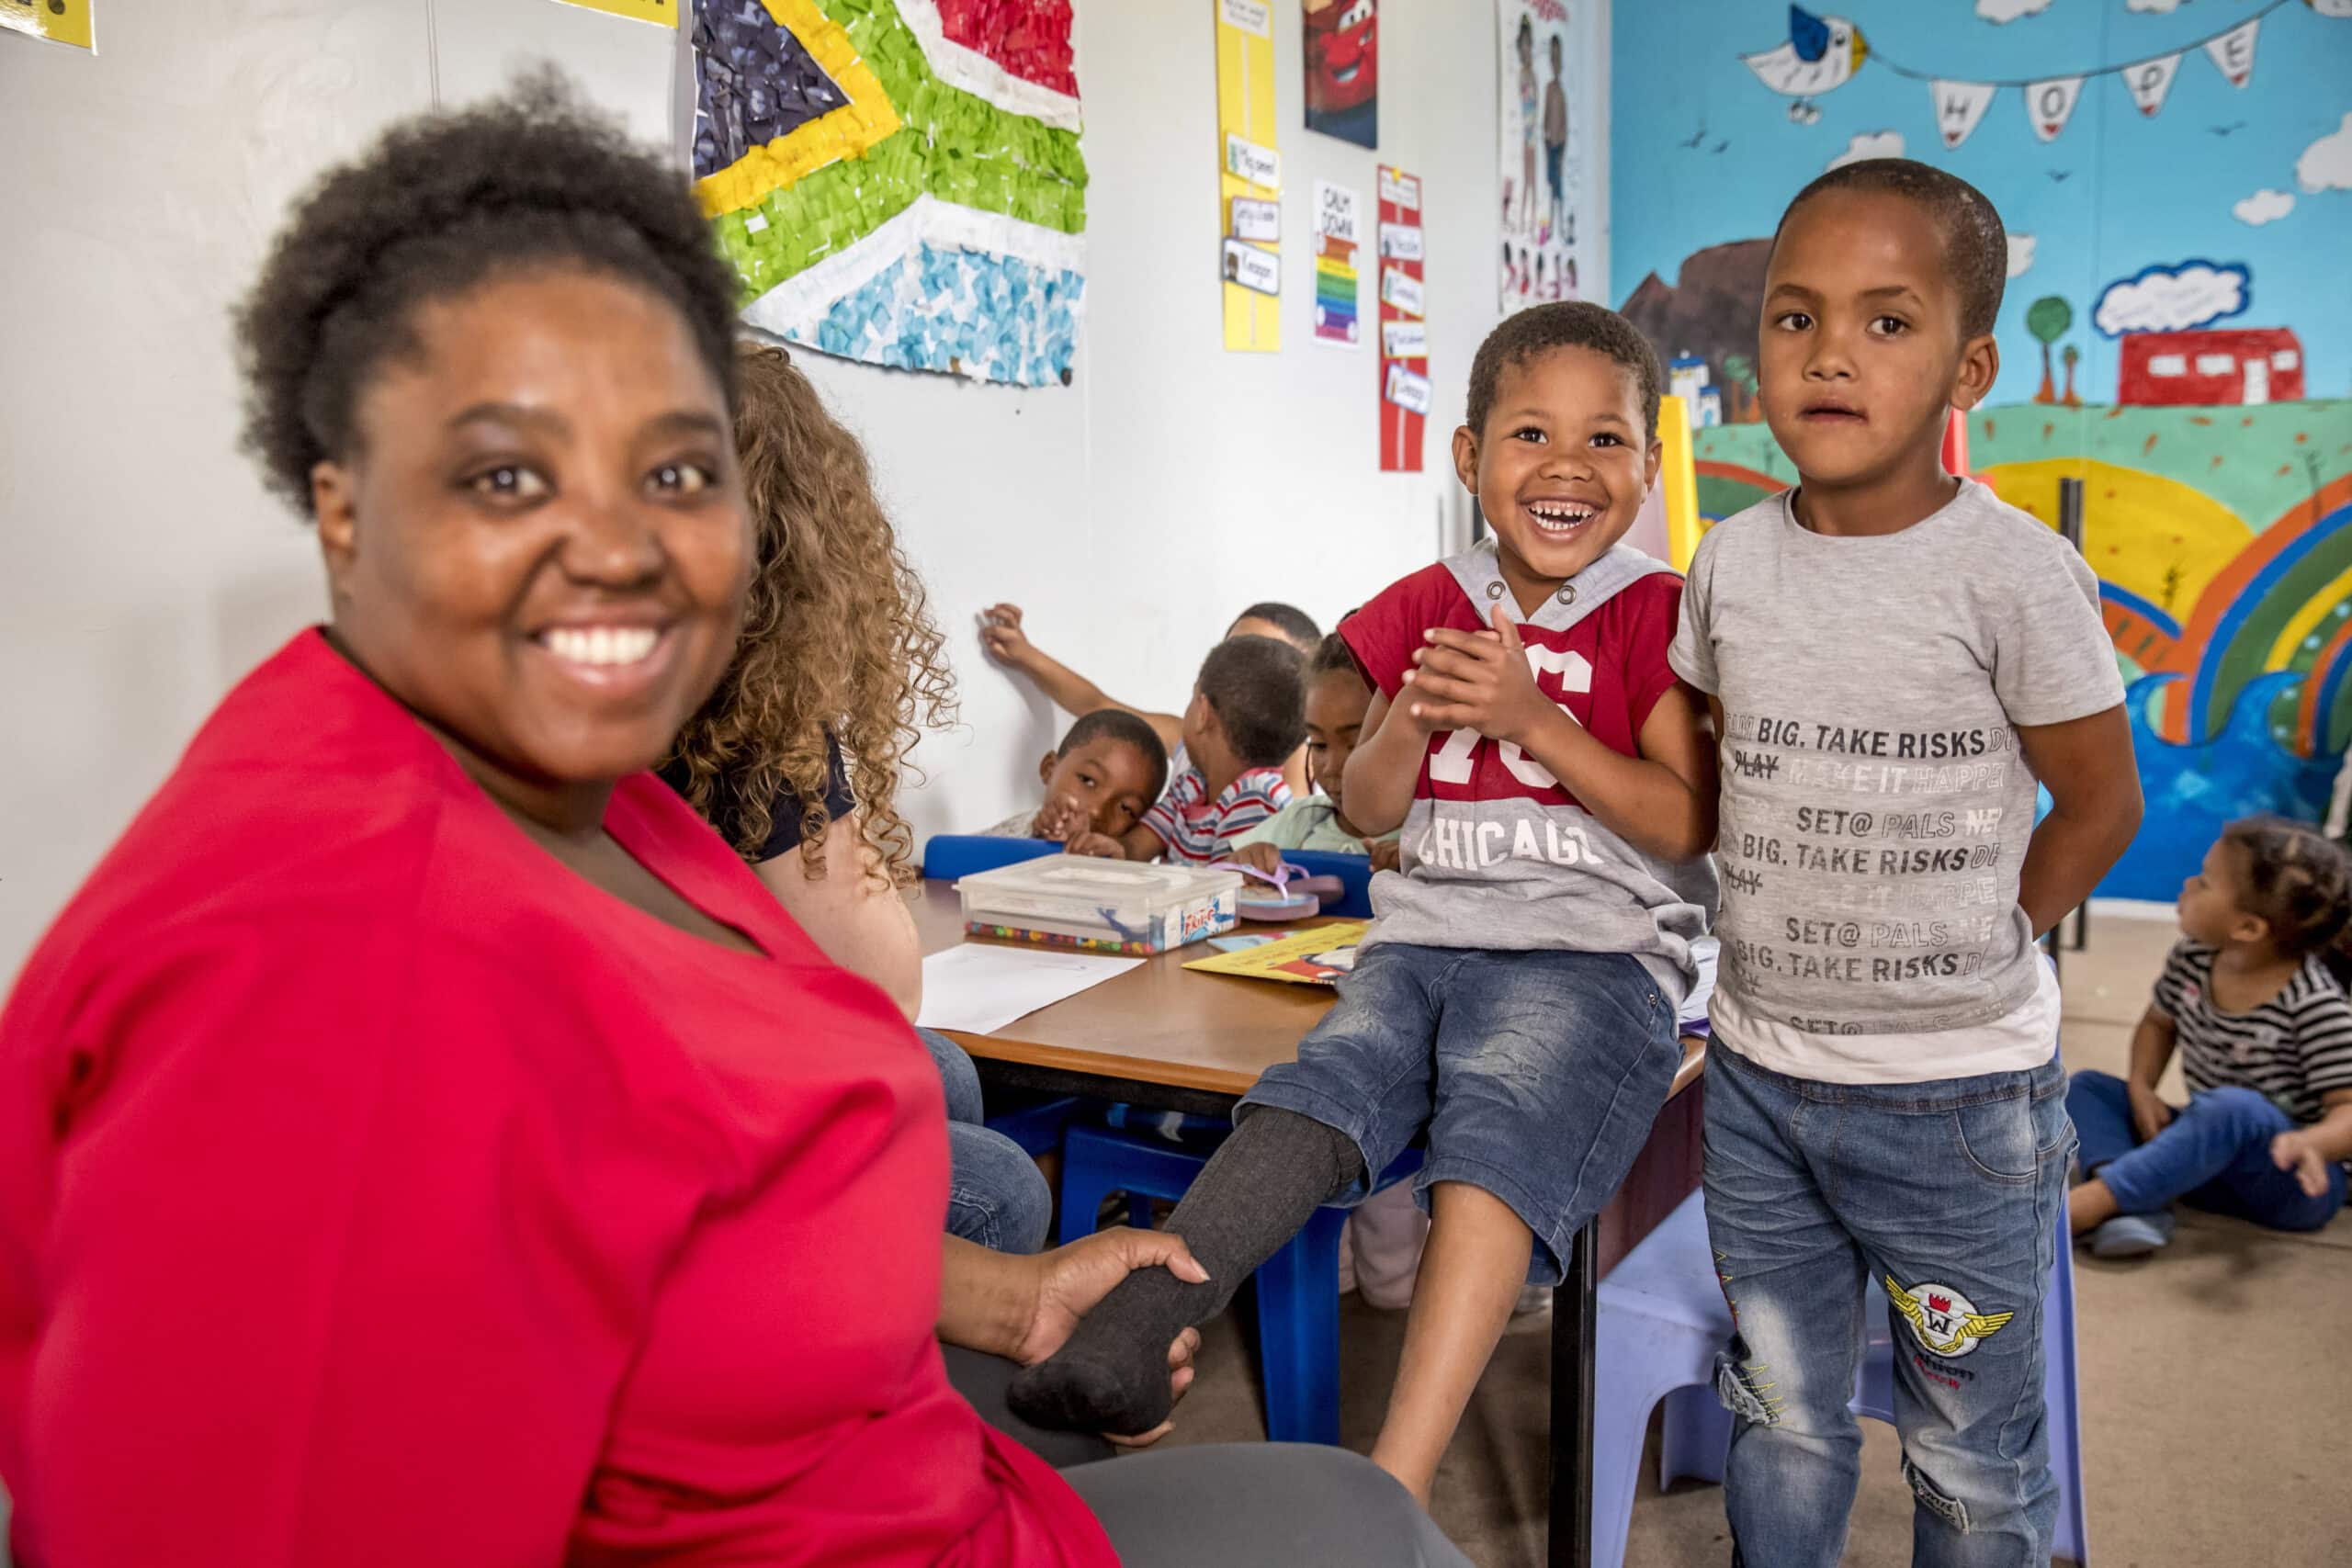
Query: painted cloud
[(1869, 144), (2327, 165), (2172, 298), (2264, 207)]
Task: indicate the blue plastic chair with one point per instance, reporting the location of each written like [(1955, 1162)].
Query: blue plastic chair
[(1354, 873), (1662, 1319), (1298, 1287), (950, 855)]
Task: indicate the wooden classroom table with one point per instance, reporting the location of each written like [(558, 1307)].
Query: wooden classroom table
[(1163, 1036)]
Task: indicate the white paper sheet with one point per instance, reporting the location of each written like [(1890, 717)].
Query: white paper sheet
[(978, 988)]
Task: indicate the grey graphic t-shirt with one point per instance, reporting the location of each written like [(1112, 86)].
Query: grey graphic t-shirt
[(1875, 807)]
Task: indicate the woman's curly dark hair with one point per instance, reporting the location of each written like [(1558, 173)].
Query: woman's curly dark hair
[(441, 203), (837, 639)]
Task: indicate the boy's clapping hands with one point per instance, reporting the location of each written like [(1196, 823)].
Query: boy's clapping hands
[(1477, 681)]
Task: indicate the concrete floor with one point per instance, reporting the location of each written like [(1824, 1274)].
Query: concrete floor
[(2217, 1401)]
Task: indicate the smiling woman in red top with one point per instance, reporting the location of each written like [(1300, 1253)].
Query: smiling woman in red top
[(422, 1141)]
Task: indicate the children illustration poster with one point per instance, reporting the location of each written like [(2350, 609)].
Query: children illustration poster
[(899, 183), (1338, 230), (1545, 51), (1342, 53), (1403, 335), (1318, 957), (2177, 183)]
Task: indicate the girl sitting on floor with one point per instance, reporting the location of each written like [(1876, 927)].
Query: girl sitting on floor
[(2264, 1035)]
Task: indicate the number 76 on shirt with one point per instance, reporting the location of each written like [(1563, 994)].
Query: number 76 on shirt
[(1455, 761)]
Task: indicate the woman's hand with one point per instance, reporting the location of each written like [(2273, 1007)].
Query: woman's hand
[(1070, 1280), (2150, 1115)]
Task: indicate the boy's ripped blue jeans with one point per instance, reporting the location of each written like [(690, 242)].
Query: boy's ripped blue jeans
[(2215, 1155), (1946, 1193)]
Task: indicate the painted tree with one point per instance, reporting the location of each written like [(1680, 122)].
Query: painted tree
[(2047, 319), (2072, 356), (1739, 370)]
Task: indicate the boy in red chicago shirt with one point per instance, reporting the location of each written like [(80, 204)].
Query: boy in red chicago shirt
[(1517, 994)]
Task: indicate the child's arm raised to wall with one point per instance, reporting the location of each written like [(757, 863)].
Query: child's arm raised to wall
[(2086, 765), (1663, 801), (1002, 634)]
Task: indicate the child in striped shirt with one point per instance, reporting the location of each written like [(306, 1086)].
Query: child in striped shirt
[(1248, 715), (2265, 1037)]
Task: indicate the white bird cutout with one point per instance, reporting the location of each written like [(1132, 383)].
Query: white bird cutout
[(1822, 52)]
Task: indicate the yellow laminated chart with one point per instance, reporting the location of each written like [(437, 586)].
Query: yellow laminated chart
[(1250, 186), (661, 13), (59, 22)]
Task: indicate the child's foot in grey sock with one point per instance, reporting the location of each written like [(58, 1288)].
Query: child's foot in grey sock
[(1252, 1196), (1113, 1374)]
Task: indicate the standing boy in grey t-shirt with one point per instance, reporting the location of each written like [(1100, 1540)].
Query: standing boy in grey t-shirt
[(1893, 657)]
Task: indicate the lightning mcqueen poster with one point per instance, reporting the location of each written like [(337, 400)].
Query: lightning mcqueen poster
[(1343, 68)]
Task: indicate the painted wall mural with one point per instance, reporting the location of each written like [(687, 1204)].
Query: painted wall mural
[(2174, 332)]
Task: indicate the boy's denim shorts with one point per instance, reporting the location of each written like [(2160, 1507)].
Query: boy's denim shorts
[(1536, 1075)]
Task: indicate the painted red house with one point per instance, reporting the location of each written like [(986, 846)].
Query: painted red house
[(2242, 365)]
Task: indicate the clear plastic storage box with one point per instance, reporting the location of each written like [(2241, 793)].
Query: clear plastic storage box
[(1104, 906)]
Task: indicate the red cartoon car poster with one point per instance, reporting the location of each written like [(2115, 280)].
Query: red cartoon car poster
[(1343, 70)]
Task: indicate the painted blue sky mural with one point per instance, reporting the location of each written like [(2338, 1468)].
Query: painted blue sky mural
[(2259, 177)]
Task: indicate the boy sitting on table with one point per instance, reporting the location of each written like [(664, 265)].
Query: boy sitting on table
[(1107, 772), (1517, 994), (1247, 715), (1008, 643)]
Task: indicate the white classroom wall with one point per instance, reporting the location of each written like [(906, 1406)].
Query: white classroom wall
[(143, 570)]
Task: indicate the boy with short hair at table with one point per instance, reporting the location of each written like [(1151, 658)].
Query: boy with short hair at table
[(1336, 699), (1894, 656), (1106, 774), (1516, 994), (1007, 641), (1247, 715)]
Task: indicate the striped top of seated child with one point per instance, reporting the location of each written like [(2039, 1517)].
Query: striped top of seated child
[(1247, 716), (1336, 697), (1105, 775)]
